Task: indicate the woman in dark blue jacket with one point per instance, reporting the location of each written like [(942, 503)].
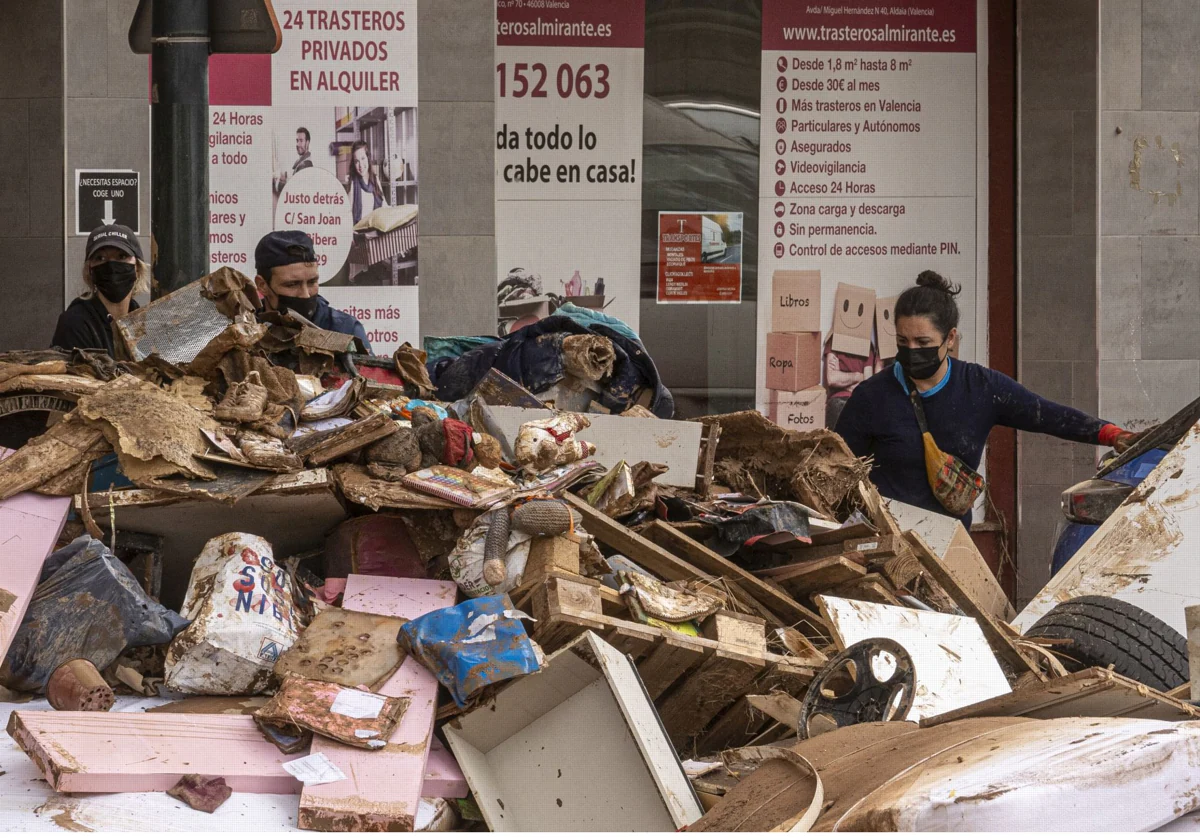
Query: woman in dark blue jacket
[(962, 402)]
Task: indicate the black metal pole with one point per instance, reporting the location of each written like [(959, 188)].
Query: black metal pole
[(179, 142)]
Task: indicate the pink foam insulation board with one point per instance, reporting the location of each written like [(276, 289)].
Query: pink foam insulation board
[(382, 788), (29, 527), (118, 752)]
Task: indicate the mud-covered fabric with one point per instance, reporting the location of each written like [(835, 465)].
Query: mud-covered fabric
[(532, 357)]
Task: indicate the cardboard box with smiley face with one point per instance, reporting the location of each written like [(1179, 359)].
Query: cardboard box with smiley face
[(853, 318), (885, 327)]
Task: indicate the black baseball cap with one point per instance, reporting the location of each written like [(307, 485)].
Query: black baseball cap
[(283, 247), (113, 236)]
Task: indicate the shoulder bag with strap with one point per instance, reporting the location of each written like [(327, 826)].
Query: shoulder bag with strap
[(955, 485)]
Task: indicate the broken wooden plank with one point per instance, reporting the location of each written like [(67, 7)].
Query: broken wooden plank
[(1000, 641), (320, 448), (701, 557), (781, 708), (803, 579), (741, 722), (29, 527), (693, 704), (382, 789), (636, 547), (1094, 692), (63, 446), (950, 541), (874, 588), (708, 458)]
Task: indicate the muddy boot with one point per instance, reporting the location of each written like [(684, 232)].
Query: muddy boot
[(244, 402)]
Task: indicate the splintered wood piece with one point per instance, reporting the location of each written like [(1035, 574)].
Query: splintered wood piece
[(781, 708), (692, 705), (320, 448), (1000, 641), (782, 605), (803, 579), (382, 789), (738, 724), (708, 457), (873, 588)]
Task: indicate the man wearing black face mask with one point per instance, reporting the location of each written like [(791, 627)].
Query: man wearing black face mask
[(112, 267), (288, 280)]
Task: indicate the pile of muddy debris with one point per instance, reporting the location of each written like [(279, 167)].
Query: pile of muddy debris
[(249, 564)]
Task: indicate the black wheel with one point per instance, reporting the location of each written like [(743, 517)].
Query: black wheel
[(1103, 632)]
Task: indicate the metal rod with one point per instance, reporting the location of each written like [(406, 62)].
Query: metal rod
[(179, 142)]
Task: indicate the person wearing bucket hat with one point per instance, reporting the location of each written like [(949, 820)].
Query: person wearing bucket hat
[(925, 419), (288, 280), (113, 272)]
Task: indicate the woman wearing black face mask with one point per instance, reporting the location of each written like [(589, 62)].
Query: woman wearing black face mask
[(112, 272), (960, 403)]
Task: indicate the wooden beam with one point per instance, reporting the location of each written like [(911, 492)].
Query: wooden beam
[(701, 557), (382, 789), (29, 527), (637, 548), (803, 579), (675, 656), (1000, 641)]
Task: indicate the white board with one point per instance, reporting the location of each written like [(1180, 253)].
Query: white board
[(1145, 553), (675, 443), (953, 664), (574, 748)]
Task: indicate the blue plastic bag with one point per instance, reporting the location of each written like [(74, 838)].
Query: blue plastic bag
[(473, 645)]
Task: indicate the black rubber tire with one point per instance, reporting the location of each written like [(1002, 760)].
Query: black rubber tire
[(1103, 632)]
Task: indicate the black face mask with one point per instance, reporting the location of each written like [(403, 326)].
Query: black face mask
[(114, 280), (304, 307), (920, 362)]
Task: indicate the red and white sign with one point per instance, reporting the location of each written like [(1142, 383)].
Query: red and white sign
[(870, 152), (699, 257), (568, 87), (291, 134)]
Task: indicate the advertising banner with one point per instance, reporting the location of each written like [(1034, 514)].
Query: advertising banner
[(869, 175), (699, 257), (322, 137), (568, 89)]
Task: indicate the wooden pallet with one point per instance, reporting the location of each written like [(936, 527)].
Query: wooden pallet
[(693, 680)]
